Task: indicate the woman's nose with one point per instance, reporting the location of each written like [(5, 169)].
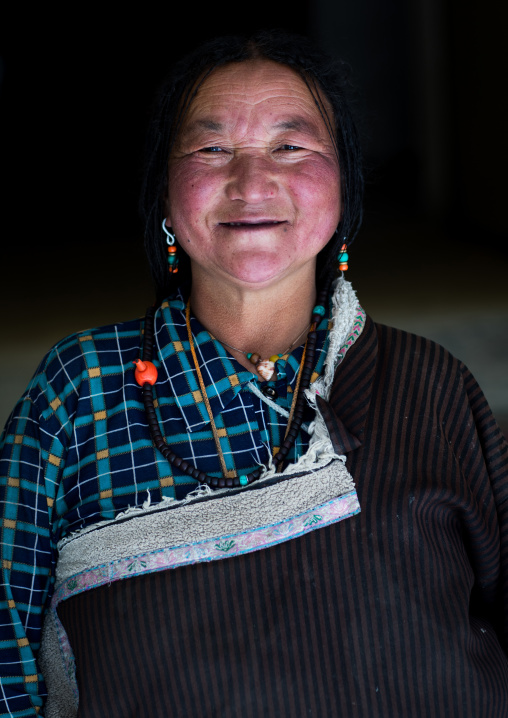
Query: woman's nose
[(252, 179)]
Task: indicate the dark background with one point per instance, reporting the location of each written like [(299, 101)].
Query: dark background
[(76, 88)]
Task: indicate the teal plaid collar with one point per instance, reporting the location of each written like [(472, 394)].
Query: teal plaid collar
[(223, 376)]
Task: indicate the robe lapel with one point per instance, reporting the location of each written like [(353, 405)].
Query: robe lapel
[(345, 412)]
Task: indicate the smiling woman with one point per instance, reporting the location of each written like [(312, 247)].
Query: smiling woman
[(255, 501)]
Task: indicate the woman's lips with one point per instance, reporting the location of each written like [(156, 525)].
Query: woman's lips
[(252, 224)]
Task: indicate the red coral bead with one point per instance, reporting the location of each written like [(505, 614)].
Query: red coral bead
[(145, 372)]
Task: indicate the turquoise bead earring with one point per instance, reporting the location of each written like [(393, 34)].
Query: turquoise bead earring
[(343, 257), (172, 250)]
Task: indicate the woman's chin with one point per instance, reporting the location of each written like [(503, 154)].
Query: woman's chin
[(255, 269), (257, 272)]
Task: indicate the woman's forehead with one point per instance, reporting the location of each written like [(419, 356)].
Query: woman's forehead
[(255, 86)]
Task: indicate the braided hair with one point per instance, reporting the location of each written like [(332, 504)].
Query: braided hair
[(321, 74)]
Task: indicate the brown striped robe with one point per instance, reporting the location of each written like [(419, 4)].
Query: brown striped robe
[(398, 611)]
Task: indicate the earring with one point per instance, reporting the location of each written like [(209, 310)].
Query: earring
[(172, 250), (343, 257)]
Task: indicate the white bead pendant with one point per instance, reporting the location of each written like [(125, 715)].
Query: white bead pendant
[(265, 369)]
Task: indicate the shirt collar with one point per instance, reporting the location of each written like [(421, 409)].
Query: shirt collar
[(223, 376)]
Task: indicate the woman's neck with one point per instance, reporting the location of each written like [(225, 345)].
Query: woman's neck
[(266, 321)]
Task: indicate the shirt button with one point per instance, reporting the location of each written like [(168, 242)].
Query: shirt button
[(269, 391)]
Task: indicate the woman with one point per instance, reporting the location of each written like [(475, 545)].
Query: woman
[(191, 524)]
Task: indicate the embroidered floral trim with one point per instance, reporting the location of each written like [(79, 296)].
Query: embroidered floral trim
[(212, 549), (356, 330)]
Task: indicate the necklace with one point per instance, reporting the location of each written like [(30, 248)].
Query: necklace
[(146, 376), (220, 453), (265, 367)]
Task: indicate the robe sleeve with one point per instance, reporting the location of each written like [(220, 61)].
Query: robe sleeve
[(483, 456), (31, 459)]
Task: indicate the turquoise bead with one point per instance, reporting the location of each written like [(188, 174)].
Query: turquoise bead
[(343, 257), (319, 310), (243, 481), (249, 355)]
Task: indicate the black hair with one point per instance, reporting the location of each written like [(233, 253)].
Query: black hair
[(321, 75)]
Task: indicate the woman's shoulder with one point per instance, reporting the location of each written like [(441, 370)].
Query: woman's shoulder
[(393, 362), (410, 365), (391, 349), (398, 346), (88, 354)]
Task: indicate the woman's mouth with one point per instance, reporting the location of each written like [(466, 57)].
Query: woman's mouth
[(253, 224)]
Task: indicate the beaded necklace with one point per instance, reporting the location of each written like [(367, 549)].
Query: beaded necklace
[(146, 376), (265, 367)]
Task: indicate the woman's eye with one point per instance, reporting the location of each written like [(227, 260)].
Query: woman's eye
[(211, 149), (289, 148)]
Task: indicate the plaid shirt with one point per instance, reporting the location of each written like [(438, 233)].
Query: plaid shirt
[(77, 450)]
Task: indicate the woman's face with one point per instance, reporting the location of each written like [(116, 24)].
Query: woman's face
[(254, 184)]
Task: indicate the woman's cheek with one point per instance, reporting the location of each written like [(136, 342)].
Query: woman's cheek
[(190, 196)]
